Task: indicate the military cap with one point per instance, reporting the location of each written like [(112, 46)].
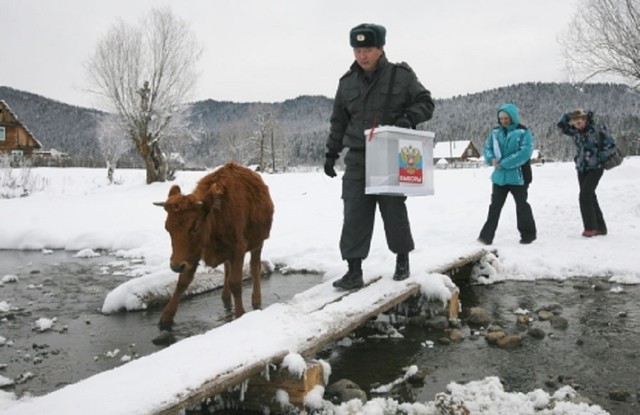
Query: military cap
[(367, 35)]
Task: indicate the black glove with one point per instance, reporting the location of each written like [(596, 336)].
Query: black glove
[(403, 122), (329, 163)]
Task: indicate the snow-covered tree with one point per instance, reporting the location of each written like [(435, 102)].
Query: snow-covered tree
[(113, 141), (146, 72), (178, 137)]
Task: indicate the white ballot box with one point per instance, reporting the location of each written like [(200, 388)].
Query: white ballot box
[(399, 161)]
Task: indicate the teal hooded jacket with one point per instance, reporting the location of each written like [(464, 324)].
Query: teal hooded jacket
[(512, 146)]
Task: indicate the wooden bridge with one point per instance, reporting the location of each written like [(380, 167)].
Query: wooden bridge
[(184, 374)]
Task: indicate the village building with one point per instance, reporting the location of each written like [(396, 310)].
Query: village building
[(455, 154), (19, 144), (15, 138)]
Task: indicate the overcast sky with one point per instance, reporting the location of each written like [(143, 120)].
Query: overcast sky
[(273, 50)]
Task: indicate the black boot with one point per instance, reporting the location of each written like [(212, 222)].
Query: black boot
[(402, 267), (353, 278)]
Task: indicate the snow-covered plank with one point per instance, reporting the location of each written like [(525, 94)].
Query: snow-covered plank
[(188, 371)]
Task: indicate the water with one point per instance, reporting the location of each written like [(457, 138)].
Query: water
[(597, 354), (83, 341)]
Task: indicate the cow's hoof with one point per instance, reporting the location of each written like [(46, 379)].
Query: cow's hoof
[(165, 338), (165, 325)]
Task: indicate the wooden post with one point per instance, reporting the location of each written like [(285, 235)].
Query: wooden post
[(454, 305), (261, 393)]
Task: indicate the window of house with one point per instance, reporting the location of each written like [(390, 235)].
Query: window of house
[(16, 155), (2, 134)]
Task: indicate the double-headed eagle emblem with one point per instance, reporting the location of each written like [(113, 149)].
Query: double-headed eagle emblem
[(412, 157)]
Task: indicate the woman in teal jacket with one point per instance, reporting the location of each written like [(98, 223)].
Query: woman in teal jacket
[(508, 149)]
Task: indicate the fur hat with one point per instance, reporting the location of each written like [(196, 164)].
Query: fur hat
[(578, 113), (367, 35)]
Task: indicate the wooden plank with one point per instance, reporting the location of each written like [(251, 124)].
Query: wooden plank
[(316, 344), (460, 262), (219, 384), (338, 307)]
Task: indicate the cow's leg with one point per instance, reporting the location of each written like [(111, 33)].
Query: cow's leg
[(166, 319), (226, 292), (255, 267), (235, 283)]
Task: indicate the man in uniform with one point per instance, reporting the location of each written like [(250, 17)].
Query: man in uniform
[(373, 92)]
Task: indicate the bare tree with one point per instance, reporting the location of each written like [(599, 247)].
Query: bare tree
[(178, 136), (233, 145), (604, 39), (145, 73), (264, 122), (113, 141)]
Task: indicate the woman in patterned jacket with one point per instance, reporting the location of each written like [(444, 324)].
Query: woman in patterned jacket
[(593, 146)]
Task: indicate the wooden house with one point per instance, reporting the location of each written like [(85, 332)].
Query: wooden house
[(454, 152), (15, 138)]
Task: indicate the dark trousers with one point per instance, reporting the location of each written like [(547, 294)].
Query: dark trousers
[(592, 218), (524, 214), (359, 218)]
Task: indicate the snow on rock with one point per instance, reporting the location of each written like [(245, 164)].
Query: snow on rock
[(44, 324), (436, 287), (5, 381), (8, 279), (487, 396), (488, 270), (157, 287), (412, 370), (86, 253)]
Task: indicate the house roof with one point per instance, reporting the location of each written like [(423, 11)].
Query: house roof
[(6, 107), (450, 149)]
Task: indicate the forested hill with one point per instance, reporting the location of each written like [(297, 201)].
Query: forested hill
[(297, 128), (471, 117)]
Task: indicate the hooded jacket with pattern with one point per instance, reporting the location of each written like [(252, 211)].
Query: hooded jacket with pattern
[(361, 97), (512, 146), (593, 144)]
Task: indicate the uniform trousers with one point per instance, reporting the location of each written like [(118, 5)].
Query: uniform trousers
[(359, 218), (360, 211)]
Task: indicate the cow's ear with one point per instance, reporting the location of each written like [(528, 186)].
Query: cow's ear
[(214, 196), (175, 189)]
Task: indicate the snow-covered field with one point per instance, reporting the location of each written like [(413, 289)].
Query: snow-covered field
[(77, 209)]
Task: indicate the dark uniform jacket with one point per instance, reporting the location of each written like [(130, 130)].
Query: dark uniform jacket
[(360, 101)]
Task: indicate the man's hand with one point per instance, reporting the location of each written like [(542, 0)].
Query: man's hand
[(403, 122), (329, 163)]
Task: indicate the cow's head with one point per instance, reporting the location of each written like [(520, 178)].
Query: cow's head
[(185, 223)]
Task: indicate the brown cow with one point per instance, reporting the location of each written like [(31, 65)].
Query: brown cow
[(227, 215)]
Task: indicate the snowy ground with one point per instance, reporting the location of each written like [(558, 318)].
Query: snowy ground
[(78, 210)]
